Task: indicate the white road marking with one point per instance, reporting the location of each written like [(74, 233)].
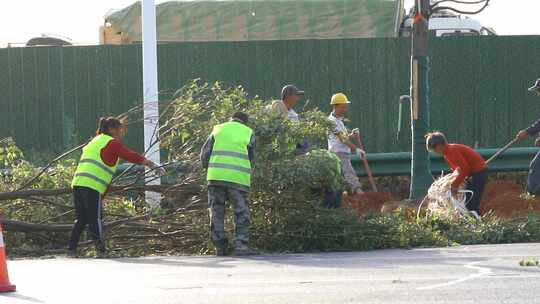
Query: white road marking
[(482, 271), (517, 276)]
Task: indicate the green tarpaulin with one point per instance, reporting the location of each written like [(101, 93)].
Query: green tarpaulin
[(242, 20)]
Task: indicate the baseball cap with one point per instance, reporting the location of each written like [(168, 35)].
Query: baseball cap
[(240, 116), (290, 90), (536, 86)]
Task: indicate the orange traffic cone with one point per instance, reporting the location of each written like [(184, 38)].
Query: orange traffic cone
[(5, 285)]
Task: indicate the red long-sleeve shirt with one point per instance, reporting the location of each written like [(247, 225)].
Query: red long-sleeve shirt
[(115, 149), (465, 160)]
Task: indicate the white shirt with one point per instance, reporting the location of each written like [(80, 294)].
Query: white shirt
[(335, 144), (293, 116), (278, 106)]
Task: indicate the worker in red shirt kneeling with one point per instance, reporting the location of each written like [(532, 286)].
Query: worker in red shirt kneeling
[(470, 166)]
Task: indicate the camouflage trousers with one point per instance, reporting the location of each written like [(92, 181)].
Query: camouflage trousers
[(217, 197)]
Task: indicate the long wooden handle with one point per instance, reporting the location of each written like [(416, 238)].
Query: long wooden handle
[(366, 165), (502, 150)]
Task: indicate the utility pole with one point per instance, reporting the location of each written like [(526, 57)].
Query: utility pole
[(151, 97), (421, 177)]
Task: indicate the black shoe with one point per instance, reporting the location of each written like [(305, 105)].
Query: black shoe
[(72, 253), (101, 250), (475, 214), (244, 250), (222, 247), (221, 251)]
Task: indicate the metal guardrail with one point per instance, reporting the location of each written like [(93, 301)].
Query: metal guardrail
[(399, 163)]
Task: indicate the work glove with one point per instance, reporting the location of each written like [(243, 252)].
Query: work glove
[(361, 153), (160, 171), (522, 135)]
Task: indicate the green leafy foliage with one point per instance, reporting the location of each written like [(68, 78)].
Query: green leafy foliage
[(17, 170), (529, 262), (285, 198), (287, 188)]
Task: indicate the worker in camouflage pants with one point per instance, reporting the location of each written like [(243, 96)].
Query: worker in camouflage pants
[(228, 155), (217, 196)]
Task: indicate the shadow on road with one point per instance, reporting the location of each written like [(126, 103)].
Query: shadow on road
[(19, 296), (180, 261), (380, 259), (386, 259)]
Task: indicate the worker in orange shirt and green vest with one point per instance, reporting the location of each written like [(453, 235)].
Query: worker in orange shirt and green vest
[(228, 154), (93, 176)]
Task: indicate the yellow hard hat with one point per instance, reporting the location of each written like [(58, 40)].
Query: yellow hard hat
[(338, 99)]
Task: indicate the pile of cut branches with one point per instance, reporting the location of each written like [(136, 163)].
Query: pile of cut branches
[(36, 207), (39, 216), (287, 190)]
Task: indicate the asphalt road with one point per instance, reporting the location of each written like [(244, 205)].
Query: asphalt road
[(469, 274)]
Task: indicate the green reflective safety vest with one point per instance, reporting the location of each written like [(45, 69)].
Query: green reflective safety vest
[(229, 161), (92, 172)]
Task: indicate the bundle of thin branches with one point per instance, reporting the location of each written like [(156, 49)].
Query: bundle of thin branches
[(440, 200), (180, 192)]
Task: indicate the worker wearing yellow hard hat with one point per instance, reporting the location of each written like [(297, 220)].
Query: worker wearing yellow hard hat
[(340, 140), (339, 99)]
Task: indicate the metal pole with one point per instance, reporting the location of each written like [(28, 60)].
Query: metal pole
[(421, 177), (150, 93)]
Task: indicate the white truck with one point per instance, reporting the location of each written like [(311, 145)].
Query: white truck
[(446, 24)]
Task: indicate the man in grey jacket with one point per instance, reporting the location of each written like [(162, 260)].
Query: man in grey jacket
[(533, 180)]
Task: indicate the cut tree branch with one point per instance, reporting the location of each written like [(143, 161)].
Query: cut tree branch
[(61, 191), (19, 226)]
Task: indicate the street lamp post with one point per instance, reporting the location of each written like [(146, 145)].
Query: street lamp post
[(150, 95), (421, 177)]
